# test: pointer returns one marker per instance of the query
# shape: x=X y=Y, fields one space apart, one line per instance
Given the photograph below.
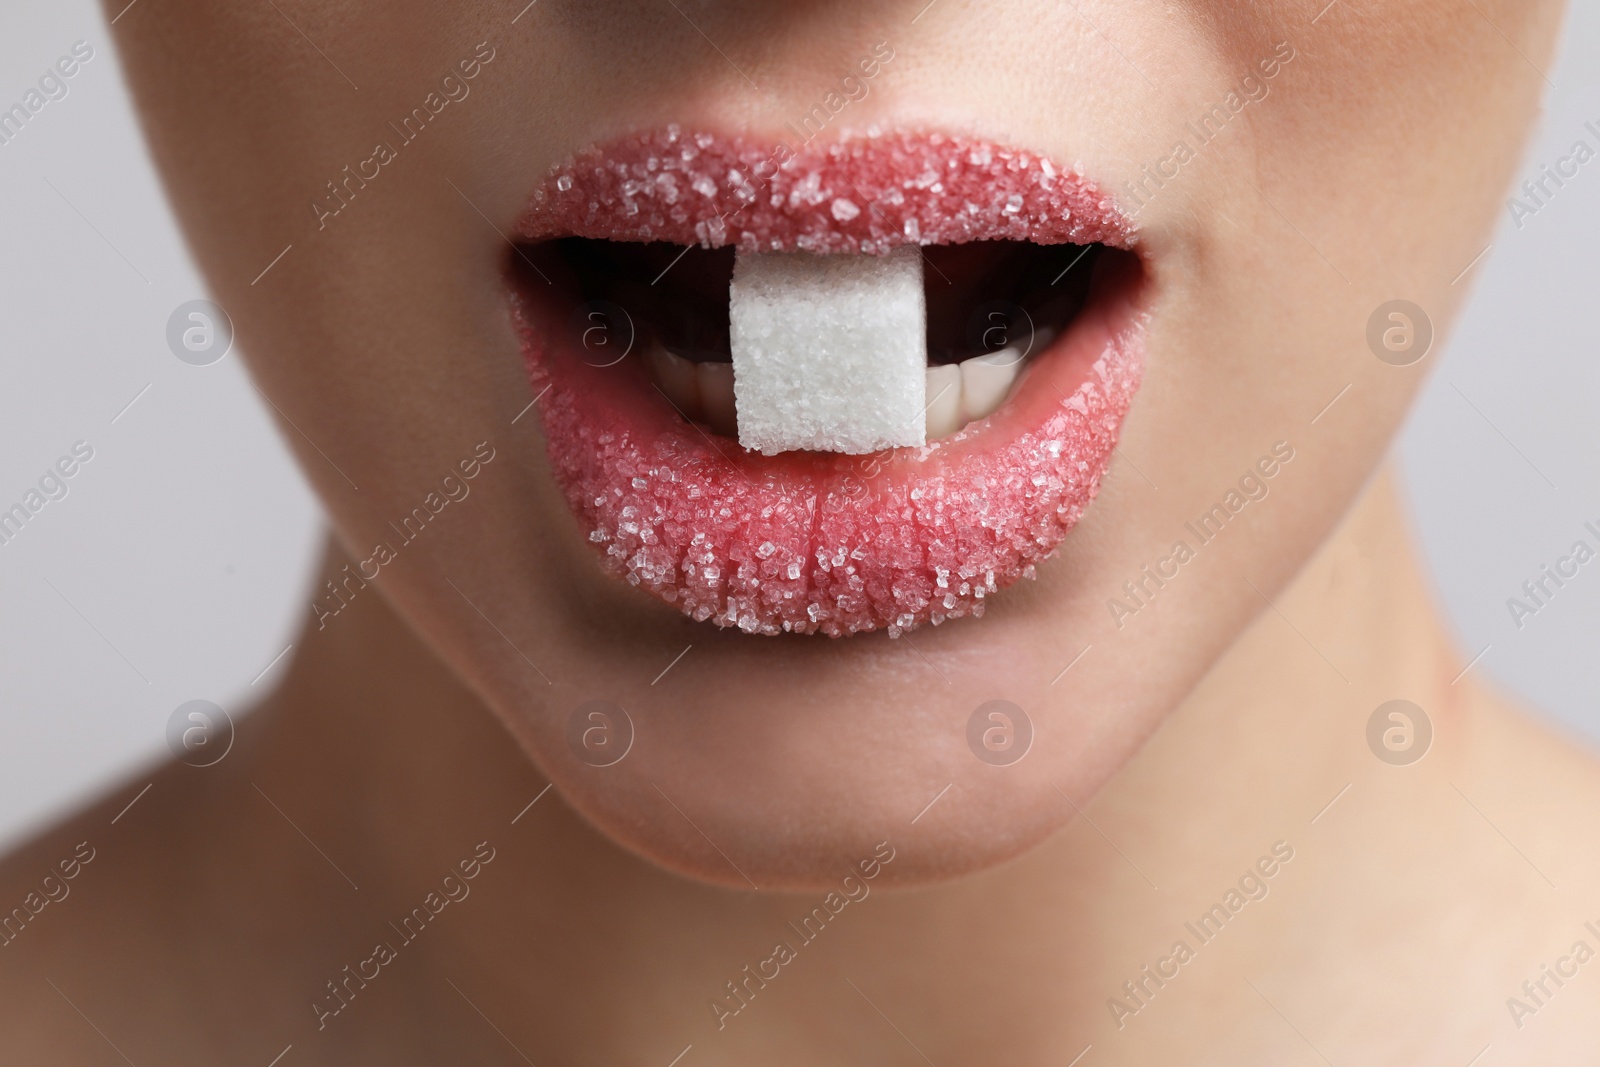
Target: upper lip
x=863 y=193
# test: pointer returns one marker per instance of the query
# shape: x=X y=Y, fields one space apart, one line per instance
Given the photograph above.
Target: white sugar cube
x=829 y=352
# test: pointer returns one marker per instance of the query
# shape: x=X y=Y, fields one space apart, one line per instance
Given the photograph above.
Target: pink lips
x=866 y=194
x=810 y=542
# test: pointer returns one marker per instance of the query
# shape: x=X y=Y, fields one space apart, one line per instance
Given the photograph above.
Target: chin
x=778 y=763
x=800 y=821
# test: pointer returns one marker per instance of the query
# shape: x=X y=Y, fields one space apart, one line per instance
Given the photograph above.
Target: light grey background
x=178 y=567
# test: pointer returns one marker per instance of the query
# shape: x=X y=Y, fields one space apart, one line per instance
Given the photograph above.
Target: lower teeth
x=956 y=393
x=829 y=354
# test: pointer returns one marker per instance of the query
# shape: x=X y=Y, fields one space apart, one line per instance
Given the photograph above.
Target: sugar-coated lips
x=808 y=542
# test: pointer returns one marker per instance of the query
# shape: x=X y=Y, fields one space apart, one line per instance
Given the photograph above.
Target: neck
x=408 y=773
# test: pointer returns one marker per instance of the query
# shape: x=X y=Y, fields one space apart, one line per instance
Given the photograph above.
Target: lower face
x=511 y=253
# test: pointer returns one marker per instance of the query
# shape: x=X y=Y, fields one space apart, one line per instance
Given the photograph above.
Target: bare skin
x=206 y=926
x=1218 y=743
x=388 y=355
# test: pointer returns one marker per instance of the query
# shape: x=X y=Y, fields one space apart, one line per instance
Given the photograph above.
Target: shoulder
x=82 y=908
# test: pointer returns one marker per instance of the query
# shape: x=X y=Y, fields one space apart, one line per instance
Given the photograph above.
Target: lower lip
x=825 y=543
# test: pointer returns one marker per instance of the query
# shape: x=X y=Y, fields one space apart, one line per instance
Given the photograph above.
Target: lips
x=807 y=542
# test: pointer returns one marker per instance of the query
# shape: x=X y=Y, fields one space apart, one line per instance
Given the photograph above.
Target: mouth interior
x=981 y=296
x=1004 y=301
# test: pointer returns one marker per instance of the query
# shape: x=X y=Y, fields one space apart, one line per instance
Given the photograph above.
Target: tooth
x=677 y=378
x=829 y=351
x=715 y=381
x=985 y=381
x=943 y=416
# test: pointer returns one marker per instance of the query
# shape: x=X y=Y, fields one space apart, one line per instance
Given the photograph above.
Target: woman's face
x=376 y=196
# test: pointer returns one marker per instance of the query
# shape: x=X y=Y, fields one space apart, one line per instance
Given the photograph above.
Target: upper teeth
x=829 y=354
x=957 y=393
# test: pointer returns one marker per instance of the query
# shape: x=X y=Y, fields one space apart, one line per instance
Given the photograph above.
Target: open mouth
x=862 y=387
